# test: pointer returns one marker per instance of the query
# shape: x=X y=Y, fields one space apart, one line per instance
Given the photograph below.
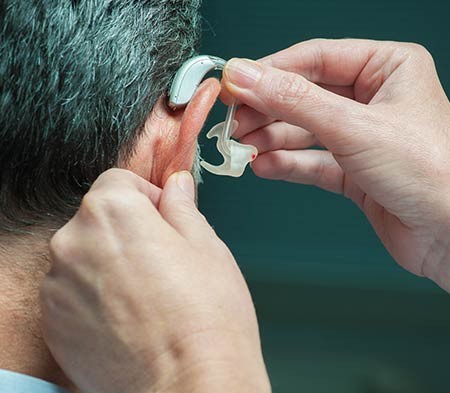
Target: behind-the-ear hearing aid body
x=236 y=155
x=189 y=77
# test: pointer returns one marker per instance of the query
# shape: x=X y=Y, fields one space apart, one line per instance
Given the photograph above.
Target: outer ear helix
x=236 y=155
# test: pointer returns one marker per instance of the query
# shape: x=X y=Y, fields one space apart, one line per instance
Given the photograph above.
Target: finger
x=332 y=62
x=225 y=96
x=313 y=167
x=178 y=208
x=290 y=97
x=344 y=91
x=280 y=136
x=249 y=120
x=121 y=179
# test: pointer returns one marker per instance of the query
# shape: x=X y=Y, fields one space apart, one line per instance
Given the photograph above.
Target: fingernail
x=243 y=73
x=185 y=183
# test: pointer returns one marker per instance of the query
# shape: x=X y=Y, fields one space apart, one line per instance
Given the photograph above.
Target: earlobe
x=168 y=142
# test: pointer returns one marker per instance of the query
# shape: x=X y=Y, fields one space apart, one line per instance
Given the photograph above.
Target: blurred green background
x=336 y=313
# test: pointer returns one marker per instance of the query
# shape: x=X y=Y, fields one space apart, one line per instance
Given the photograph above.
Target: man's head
x=78 y=80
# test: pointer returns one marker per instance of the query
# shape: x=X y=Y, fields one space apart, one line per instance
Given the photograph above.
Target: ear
x=168 y=142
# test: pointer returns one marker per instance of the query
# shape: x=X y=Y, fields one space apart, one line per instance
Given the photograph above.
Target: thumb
x=177 y=206
x=292 y=98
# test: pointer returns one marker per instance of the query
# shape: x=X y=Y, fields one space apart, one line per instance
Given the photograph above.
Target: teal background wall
x=336 y=313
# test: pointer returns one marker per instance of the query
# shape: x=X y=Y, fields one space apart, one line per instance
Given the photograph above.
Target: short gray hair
x=77 y=81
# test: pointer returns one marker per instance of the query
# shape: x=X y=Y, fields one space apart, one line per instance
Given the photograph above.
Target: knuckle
x=290 y=170
x=320 y=172
x=110 y=201
x=108 y=175
x=420 y=52
x=124 y=202
x=114 y=177
x=60 y=245
x=113 y=173
x=418 y=49
x=279 y=168
x=317 y=40
x=89 y=200
x=64 y=249
x=92 y=203
x=314 y=42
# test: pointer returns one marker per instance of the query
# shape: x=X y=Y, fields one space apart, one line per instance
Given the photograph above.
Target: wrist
x=212 y=363
x=217 y=377
x=436 y=265
x=436 y=262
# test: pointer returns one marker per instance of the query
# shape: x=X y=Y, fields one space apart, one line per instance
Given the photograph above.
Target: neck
x=23 y=264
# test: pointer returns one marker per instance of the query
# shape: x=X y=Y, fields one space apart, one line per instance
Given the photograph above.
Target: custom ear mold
x=235 y=155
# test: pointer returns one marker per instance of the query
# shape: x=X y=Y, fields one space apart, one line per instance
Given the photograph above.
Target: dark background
x=336 y=313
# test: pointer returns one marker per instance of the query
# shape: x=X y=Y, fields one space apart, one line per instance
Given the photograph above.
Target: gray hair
x=77 y=81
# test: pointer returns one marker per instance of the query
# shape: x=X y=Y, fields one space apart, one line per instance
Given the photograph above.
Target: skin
x=141 y=280
x=158 y=307
x=169 y=141
x=161 y=301
x=383 y=119
x=167 y=144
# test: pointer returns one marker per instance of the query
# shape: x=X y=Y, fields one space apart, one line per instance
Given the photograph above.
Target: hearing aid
x=235 y=155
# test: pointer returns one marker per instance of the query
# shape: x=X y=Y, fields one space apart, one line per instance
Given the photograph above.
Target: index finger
x=331 y=62
x=336 y=63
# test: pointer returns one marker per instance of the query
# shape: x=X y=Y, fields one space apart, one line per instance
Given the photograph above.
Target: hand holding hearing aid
x=161 y=302
x=382 y=118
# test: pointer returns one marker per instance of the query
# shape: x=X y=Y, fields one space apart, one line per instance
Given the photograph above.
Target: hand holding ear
x=143 y=296
x=383 y=119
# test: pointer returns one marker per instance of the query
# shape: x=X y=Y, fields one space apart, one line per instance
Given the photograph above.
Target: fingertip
x=258 y=167
x=181 y=182
x=265 y=165
x=242 y=73
x=178 y=207
x=225 y=96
